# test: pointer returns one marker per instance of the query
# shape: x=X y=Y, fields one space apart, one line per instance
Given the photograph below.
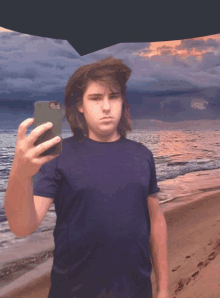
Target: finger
x=22 y=129
x=45 y=159
x=37 y=132
x=45 y=145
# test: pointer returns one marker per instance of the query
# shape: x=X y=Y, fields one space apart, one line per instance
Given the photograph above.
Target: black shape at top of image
x=90 y=27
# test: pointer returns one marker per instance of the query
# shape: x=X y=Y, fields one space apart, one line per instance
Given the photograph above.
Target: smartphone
x=49 y=111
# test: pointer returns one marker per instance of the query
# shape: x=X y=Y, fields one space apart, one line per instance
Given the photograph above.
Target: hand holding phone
x=26 y=161
x=48 y=111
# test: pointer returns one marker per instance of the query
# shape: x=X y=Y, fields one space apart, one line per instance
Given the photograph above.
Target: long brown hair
x=110 y=72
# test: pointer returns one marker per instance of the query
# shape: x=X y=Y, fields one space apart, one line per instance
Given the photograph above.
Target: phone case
x=49 y=111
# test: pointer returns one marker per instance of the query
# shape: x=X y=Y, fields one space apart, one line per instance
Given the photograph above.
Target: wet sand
x=193 y=223
x=194 y=248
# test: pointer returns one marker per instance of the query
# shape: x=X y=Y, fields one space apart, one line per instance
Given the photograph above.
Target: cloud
x=9 y=49
x=199 y=104
x=180 y=125
x=120 y=49
x=21 y=83
x=128 y=52
x=56 y=58
x=155 y=121
x=44 y=64
x=65 y=53
x=36 y=61
x=3 y=58
x=199 y=44
x=162 y=87
x=210 y=61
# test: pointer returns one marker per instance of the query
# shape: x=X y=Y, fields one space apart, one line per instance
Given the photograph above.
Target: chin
x=106 y=133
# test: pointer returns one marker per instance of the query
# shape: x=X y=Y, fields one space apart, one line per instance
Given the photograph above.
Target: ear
x=80 y=107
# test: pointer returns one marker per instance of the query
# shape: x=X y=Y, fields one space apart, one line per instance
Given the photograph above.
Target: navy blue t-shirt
x=102 y=230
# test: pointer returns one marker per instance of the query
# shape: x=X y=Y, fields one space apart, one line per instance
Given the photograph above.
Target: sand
x=193 y=250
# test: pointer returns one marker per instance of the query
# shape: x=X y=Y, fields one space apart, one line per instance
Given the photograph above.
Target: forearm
x=159 y=250
x=19 y=205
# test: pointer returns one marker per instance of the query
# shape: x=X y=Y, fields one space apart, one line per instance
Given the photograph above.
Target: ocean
x=176 y=153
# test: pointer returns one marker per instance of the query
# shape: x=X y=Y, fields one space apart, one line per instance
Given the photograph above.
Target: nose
x=106 y=103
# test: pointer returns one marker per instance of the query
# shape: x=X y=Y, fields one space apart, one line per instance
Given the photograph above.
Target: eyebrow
x=99 y=94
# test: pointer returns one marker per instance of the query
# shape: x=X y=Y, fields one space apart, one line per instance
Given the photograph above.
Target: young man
x=103 y=187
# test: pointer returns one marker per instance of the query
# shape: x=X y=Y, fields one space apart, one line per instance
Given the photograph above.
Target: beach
x=193 y=225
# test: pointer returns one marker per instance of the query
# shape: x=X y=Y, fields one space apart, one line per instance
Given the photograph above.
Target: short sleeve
x=153 y=188
x=47 y=181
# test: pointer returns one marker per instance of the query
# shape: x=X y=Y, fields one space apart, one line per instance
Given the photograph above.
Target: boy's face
x=99 y=102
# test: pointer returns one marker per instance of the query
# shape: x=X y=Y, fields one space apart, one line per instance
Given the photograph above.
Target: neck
x=109 y=138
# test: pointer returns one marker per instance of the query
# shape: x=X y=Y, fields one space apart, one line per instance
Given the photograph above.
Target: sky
x=173 y=84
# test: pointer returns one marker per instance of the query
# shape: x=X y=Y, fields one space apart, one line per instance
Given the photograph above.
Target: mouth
x=106 y=118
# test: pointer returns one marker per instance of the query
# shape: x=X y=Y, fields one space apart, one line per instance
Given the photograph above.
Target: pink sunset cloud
x=179 y=47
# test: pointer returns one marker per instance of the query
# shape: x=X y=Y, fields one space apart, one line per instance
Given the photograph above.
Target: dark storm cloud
x=177 y=61
x=165 y=50
x=212 y=96
x=209 y=62
x=66 y=54
x=175 y=93
x=151 y=108
x=32 y=62
x=165 y=88
x=50 y=65
x=175 y=105
x=120 y=48
x=130 y=48
x=199 y=44
x=58 y=41
x=170 y=107
x=44 y=64
x=28 y=73
x=60 y=67
x=26 y=99
x=4 y=58
x=162 y=84
x=18 y=105
x=9 y=49
x=34 y=38
x=123 y=51
x=5 y=36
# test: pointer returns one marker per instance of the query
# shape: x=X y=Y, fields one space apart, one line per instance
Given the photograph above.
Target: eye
x=115 y=96
x=95 y=98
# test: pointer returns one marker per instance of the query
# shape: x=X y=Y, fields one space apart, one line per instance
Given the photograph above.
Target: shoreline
x=194 y=246
x=186 y=186
x=15 y=269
